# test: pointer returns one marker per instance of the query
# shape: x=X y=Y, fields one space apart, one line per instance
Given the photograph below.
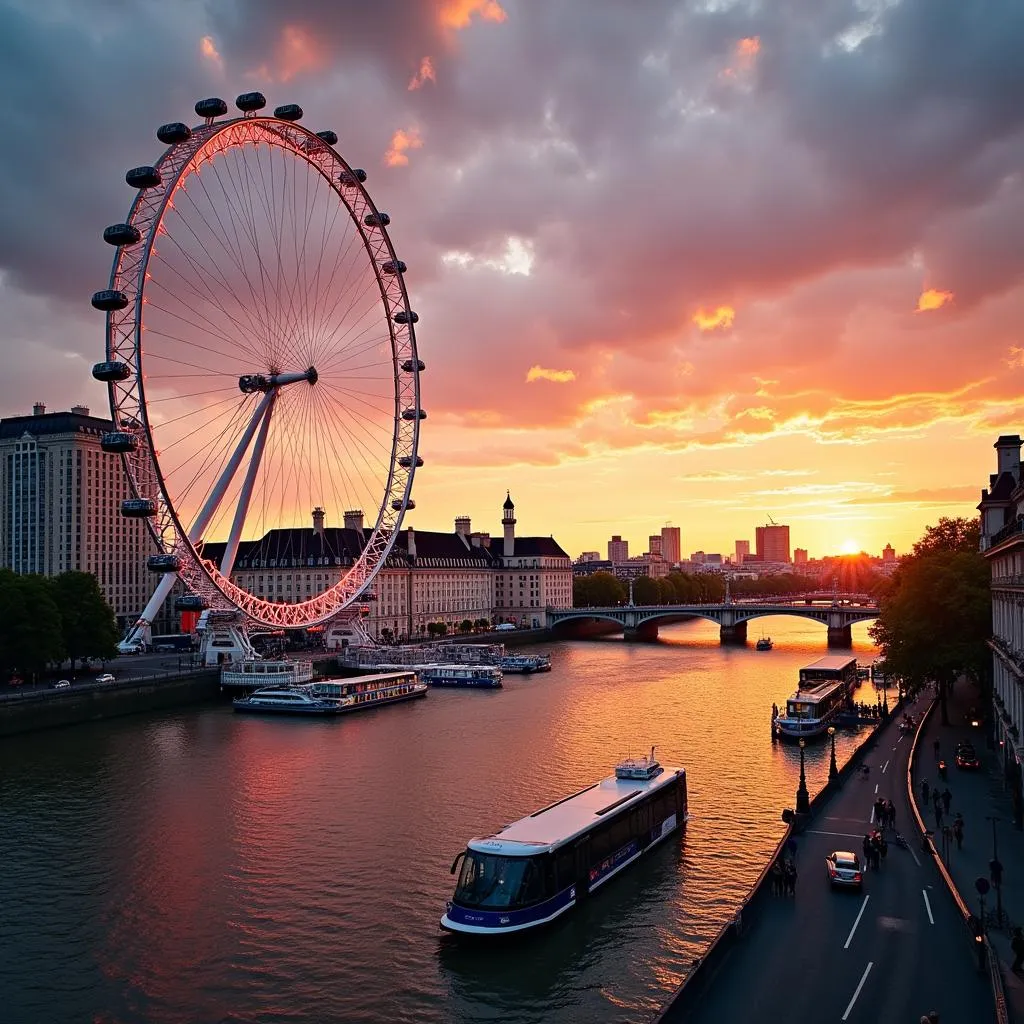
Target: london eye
x=261 y=356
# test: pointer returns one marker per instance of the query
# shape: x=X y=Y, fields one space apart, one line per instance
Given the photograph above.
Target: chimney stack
x=354 y=519
x=39 y=409
x=80 y=410
x=462 y=526
x=318 y=520
x=410 y=544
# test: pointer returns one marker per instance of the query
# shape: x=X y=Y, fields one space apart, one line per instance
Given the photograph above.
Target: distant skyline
x=687 y=263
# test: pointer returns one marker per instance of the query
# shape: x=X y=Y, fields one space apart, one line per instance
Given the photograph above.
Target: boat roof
x=817 y=691
x=378 y=677
x=565 y=819
x=833 y=663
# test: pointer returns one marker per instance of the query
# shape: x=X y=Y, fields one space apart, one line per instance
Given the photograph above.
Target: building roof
x=546 y=547
x=509 y=503
x=52 y=423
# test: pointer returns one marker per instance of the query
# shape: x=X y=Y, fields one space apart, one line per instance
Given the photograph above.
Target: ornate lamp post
x=833 y=768
x=803 y=798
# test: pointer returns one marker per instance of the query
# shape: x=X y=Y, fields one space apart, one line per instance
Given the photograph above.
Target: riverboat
x=287 y=700
x=823 y=692
x=525 y=664
x=476 y=676
x=255 y=673
x=363 y=692
x=537 y=868
x=764 y=644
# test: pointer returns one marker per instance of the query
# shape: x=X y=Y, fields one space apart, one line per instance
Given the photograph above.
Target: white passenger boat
x=525 y=664
x=537 y=868
x=822 y=694
x=288 y=700
x=362 y=692
x=255 y=672
x=486 y=677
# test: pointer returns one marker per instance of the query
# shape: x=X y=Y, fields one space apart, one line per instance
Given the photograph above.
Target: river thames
x=198 y=865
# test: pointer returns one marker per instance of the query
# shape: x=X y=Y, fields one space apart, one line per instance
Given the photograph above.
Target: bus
x=537 y=868
x=172 y=642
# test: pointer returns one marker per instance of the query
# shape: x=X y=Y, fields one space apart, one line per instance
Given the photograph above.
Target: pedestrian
x=883 y=848
x=1017 y=945
x=995 y=872
x=938 y=815
x=947 y=799
x=892 y=814
x=791 y=878
x=867 y=850
x=958 y=830
x=776 y=879
x=925 y=791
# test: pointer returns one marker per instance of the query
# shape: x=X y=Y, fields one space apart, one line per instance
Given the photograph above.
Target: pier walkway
x=886 y=955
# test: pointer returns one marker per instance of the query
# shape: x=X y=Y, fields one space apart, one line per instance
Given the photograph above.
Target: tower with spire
x=508 y=521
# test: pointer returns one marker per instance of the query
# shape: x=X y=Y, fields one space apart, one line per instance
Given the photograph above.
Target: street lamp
x=996 y=870
x=833 y=768
x=803 y=799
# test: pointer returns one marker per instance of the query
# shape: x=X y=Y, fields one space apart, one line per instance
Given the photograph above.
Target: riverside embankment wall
x=750 y=908
x=48 y=709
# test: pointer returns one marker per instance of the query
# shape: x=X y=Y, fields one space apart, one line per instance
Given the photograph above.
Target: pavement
x=886 y=955
x=980 y=795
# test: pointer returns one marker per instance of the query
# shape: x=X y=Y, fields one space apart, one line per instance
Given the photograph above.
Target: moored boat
x=475 y=676
x=823 y=692
x=362 y=692
x=525 y=664
x=287 y=700
x=764 y=644
x=537 y=868
x=257 y=672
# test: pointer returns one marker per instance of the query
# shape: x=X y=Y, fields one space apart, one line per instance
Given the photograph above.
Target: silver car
x=844 y=869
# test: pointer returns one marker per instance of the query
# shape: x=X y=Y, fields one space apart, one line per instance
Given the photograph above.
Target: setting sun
x=849 y=547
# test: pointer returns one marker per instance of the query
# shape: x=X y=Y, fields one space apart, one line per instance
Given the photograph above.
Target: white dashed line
x=849 y=938
x=927 y=906
x=876 y=789
x=864 y=977
x=886 y=765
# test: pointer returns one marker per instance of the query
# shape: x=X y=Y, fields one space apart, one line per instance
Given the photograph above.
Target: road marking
x=871 y=820
x=886 y=765
x=864 y=977
x=849 y=939
x=841 y=835
x=876 y=789
x=914 y=855
x=927 y=906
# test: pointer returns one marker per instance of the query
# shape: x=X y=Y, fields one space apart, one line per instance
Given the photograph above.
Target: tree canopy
x=88 y=626
x=936 y=616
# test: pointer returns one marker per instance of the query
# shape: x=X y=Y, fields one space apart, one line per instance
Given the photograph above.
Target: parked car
x=107 y=677
x=843 y=868
x=63 y=684
x=966 y=757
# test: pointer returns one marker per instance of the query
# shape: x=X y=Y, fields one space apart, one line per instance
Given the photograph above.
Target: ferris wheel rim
x=129 y=407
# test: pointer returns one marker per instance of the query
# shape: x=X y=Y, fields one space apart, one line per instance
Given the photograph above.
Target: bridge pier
x=840 y=636
x=736 y=634
x=645 y=631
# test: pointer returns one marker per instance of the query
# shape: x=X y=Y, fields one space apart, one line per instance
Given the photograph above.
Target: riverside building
x=60 y=501
x=429 y=577
x=1002 y=544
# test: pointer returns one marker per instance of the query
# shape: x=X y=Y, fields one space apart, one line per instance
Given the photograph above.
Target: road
x=886 y=955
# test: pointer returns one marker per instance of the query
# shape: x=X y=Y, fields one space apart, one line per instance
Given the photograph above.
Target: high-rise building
x=671 y=545
x=888 y=554
x=742 y=550
x=654 y=548
x=60 y=506
x=590 y=556
x=772 y=543
x=800 y=556
x=618 y=549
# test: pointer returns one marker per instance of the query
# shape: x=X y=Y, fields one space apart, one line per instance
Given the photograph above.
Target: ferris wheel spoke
x=340 y=287
x=211 y=329
x=341 y=463
x=363 y=294
x=354 y=429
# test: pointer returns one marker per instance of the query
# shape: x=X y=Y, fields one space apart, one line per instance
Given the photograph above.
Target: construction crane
x=772 y=521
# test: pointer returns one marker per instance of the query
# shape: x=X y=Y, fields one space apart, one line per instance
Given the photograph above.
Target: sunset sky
x=687 y=263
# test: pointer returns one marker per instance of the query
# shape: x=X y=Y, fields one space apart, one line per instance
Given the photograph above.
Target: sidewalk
x=978 y=795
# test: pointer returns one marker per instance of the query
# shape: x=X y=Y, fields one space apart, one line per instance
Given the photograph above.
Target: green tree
x=646 y=591
x=466 y=626
x=89 y=627
x=936 y=616
x=598 y=590
x=30 y=625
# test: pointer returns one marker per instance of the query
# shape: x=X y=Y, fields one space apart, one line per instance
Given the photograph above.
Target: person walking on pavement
x=867 y=850
x=958 y=830
x=891 y=808
x=938 y=814
x=947 y=799
x=925 y=791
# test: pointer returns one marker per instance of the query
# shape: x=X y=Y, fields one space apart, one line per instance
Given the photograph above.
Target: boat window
x=491 y=881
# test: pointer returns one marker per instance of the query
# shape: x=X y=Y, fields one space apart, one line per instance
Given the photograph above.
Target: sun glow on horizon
x=849 y=547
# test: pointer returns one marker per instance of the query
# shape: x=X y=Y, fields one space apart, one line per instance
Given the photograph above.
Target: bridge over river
x=838 y=612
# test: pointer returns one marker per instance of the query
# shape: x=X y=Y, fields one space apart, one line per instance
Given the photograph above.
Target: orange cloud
x=401 y=142
x=458 y=13
x=556 y=376
x=208 y=48
x=748 y=48
x=721 y=317
x=297 y=51
x=425 y=74
x=932 y=298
